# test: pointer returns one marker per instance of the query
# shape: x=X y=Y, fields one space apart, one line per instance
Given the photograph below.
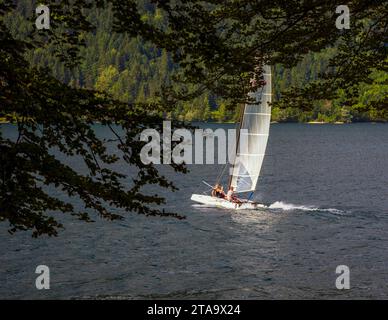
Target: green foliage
x=49 y=114
x=134 y=70
x=126 y=63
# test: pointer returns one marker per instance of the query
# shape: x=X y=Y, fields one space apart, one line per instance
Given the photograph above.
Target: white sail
x=253 y=137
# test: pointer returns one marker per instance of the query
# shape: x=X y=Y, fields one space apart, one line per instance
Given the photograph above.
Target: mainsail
x=254 y=130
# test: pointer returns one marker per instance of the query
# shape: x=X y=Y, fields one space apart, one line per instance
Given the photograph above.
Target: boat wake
x=279 y=205
x=196 y=205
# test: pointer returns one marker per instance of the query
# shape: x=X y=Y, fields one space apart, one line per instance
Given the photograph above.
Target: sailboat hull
x=225 y=204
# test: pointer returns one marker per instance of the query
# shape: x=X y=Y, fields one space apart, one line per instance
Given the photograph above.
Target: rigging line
x=239 y=133
x=238 y=128
x=219 y=177
x=200 y=190
x=206 y=191
x=241 y=119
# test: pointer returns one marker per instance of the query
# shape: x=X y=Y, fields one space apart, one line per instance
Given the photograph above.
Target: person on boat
x=221 y=192
x=231 y=197
x=218 y=191
x=214 y=190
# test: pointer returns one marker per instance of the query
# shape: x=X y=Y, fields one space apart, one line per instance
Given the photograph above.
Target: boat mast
x=241 y=117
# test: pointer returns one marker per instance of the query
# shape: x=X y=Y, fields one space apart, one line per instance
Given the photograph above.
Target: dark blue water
x=327 y=191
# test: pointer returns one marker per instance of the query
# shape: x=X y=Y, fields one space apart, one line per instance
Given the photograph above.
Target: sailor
x=229 y=195
x=214 y=190
x=221 y=193
x=218 y=191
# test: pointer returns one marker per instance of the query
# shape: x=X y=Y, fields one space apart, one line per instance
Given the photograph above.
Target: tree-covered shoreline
x=133 y=71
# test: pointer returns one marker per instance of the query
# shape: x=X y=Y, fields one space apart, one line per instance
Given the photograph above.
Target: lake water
x=326 y=187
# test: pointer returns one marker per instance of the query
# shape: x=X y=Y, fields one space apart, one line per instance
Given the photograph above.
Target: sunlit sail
x=255 y=124
x=251 y=147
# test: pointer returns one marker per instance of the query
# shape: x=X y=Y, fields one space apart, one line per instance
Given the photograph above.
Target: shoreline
x=272 y=122
x=309 y=122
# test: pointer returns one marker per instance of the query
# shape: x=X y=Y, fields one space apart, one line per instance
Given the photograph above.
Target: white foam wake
x=204 y=206
x=289 y=206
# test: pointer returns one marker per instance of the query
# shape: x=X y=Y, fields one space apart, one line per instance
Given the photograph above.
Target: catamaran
x=254 y=122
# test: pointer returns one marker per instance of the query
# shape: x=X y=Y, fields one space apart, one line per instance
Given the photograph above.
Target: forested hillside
x=134 y=71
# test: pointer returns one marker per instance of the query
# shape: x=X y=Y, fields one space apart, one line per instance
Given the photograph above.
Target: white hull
x=222 y=203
